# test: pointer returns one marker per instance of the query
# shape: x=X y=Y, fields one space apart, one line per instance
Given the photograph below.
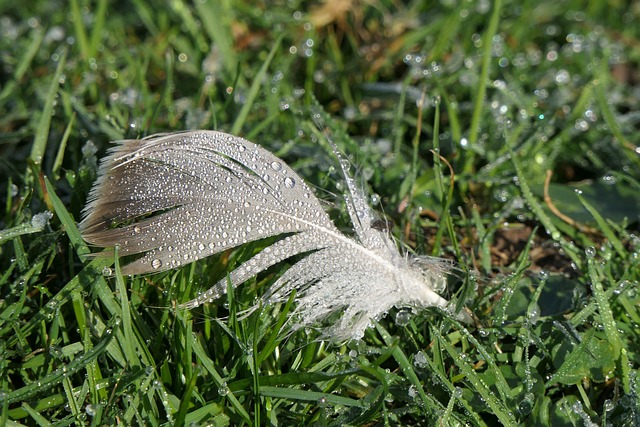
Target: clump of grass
x=502 y=92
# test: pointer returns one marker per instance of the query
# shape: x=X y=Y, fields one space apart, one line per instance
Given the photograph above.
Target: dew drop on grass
x=420 y=360
x=543 y=275
x=223 y=390
x=590 y=252
x=403 y=318
x=90 y=410
x=608 y=405
x=40 y=220
x=107 y=271
x=457 y=392
x=55 y=351
x=156 y=263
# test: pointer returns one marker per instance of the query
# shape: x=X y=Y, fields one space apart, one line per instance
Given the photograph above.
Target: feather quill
x=176 y=198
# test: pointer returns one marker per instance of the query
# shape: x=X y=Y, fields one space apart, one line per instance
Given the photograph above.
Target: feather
x=175 y=198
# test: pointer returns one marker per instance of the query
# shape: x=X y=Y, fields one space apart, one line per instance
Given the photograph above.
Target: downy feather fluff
x=175 y=198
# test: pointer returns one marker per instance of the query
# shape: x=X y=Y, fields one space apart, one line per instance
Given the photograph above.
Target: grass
x=510 y=91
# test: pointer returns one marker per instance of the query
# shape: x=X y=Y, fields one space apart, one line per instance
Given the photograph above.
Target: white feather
x=176 y=198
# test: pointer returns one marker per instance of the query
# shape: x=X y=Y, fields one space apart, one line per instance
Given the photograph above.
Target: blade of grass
x=24 y=65
x=56 y=376
x=407 y=368
x=84 y=278
x=536 y=207
x=444 y=380
x=57 y=163
x=125 y=313
x=447 y=195
x=69 y=225
x=42 y=130
x=216 y=18
x=479 y=101
x=97 y=28
x=209 y=365
x=608 y=321
x=309 y=396
x=497 y=407
x=80 y=31
x=30 y=227
x=604 y=228
x=255 y=88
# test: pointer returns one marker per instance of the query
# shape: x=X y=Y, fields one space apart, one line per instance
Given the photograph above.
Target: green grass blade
x=483 y=81
x=209 y=365
x=56 y=377
x=25 y=62
x=255 y=88
x=606 y=314
x=497 y=407
x=604 y=228
x=42 y=131
x=69 y=225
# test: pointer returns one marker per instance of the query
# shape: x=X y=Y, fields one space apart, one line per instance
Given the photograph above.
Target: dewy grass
x=533 y=86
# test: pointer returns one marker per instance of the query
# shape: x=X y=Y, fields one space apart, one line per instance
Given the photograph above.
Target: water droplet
x=457 y=392
x=136 y=229
x=90 y=410
x=608 y=405
x=156 y=263
x=55 y=351
x=543 y=274
x=420 y=360
x=107 y=271
x=403 y=318
x=223 y=390
x=590 y=252
x=289 y=182
x=276 y=166
x=609 y=179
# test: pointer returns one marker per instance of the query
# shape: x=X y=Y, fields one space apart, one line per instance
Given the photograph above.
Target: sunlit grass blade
x=217 y=18
x=497 y=407
x=608 y=321
x=483 y=81
x=308 y=396
x=30 y=227
x=70 y=227
x=209 y=365
x=254 y=89
x=406 y=367
x=42 y=130
x=604 y=228
x=57 y=376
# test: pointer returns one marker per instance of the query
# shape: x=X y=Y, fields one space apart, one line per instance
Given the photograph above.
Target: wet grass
x=455 y=114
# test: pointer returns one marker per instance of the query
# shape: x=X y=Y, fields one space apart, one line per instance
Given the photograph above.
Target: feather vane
x=175 y=198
